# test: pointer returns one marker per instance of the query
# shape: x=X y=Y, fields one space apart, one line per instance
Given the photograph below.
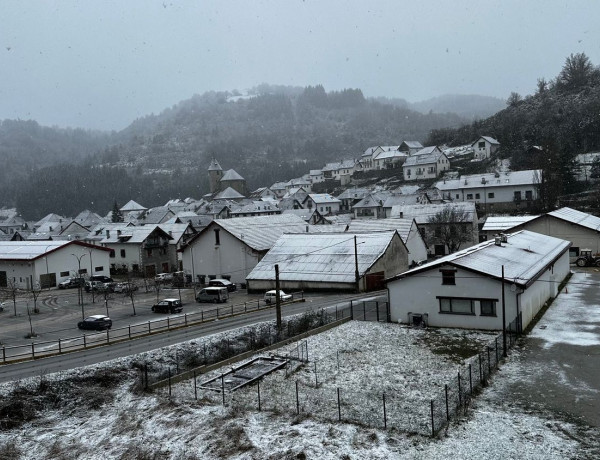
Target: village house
x=44 y=264
x=584 y=164
x=494 y=192
x=330 y=262
x=389 y=159
x=350 y=197
x=484 y=147
x=322 y=202
x=410 y=147
x=466 y=289
x=233 y=247
x=316 y=176
x=341 y=171
x=256 y=208
x=465 y=224
x=371 y=206
x=427 y=163
x=494 y=225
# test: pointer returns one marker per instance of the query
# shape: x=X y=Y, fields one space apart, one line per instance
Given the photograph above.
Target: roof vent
x=498 y=240
x=466 y=182
x=504 y=237
x=483 y=181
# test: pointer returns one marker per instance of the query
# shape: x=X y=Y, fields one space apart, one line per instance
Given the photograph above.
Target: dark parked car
x=168 y=306
x=95 y=322
x=219 y=282
x=71 y=283
x=101 y=278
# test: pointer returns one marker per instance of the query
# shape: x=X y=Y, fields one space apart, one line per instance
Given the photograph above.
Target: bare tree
x=10 y=292
x=452 y=227
x=34 y=293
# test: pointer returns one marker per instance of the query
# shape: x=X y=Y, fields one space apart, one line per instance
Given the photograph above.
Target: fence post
x=107 y=337
x=59 y=346
x=496 y=351
x=32 y=350
x=447 y=411
x=223 y=388
x=258 y=388
x=337 y=354
x=336 y=312
x=232 y=309
x=471 y=379
x=351 y=310
x=339 y=406
x=459 y=391
x=316 y=378
x=489 y=361
x=195 y=387
x=185 y=319
x=3 y=353
x=149 y=327
x=202 y=316
x=297 y=400
x=168 y=323
x=84 y=341
x=169 y=382
x=129 y=332
x=432 y=421
x=377 y=309
x=364 y=311
x=244 y=307
x=384 y=414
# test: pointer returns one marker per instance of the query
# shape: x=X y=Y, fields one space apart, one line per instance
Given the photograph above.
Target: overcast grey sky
x=101 y=64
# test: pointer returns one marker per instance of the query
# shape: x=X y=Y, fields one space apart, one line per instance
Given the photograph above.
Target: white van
x=213 y=294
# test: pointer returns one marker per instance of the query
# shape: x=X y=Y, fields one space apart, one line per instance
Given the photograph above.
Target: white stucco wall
x=416 y=246
x=579 y=236
x=230 y=257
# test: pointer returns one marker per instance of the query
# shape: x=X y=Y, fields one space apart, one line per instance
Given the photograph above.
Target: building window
x=448 y=277
x=149 y=252
x=574 y=251
x=122 y=252
x=491 y=195
x=481 y=145
x=99 y=269
x=488 y=307
x=135 y=267
x=528 y=195
x=518 y=196
x=477 y=196
x=457 y=196
x=456 y=306
x=469 y=196
x=82 y=271
x=112 y=253
x=64 y=273
x=217 y=237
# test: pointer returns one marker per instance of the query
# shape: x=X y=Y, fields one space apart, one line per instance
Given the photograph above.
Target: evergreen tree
x=117 y=215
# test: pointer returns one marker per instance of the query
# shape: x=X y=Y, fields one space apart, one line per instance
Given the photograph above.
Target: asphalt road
x=72 y=360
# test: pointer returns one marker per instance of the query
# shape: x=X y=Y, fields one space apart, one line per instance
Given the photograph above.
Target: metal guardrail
x=36 y=350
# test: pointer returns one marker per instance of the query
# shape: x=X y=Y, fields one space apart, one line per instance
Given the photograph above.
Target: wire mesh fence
x=322 y=389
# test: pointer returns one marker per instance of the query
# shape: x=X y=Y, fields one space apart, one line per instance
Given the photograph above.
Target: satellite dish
x=513 y=287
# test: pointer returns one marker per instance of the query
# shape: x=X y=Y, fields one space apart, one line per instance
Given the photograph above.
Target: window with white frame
x=456 y=306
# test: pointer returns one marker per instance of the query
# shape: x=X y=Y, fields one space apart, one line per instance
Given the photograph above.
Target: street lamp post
x=80 y=294
x=46 y=259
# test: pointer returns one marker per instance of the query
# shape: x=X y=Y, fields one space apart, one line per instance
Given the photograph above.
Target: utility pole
x=503 y=318
x=277 y=299
x=356 y=275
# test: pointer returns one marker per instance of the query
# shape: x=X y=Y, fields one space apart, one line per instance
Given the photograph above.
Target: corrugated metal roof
x=489 y=180
x=260 y=233
x=29 y=250
x=422 y=212
x=577 y=217
x=323 y=257
x=402 y=226
x=422 y=158
x=524 y=256
x=502 y=223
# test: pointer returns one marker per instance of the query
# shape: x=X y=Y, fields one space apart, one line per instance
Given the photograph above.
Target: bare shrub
x=10 y=451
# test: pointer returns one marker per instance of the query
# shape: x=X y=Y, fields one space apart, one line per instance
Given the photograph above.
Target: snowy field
x=96 y=412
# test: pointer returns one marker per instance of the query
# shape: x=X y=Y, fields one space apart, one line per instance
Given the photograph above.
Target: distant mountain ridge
x=469 y=106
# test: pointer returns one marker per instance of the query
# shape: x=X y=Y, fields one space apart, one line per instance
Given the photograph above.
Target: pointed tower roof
x=231 y=175
x=215 y=166
x=228 y=194
x=132 y=206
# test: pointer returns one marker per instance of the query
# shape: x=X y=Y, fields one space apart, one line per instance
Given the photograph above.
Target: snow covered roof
x=132 y=206
x=407 y=189
x=315 y=172
x=422 y=212
x=256 y=207
x=344 y=164
x=391 y=154
x=427 y=150
x=577 y=217
x=305 y=214
x=176 y=231
x=230 y=174
x=400 y=200
x=88 y=218
x=133 y=235
x=525 y=256
x=402 y=226
x=353 y=193
x=261 y=232
x=31 y=250
x=504 y=223
x=228 y=194
x=323 y=198
x=156 y=215
x=323 y=257
x=214 y=166
x=372 y=200
x=489 y=139
x=369 y=151
x=412 y=144
x=51 y=218
x=423 y=158
x=505 y=179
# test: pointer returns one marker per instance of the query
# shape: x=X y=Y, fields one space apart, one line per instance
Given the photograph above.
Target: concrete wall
x=579 y=236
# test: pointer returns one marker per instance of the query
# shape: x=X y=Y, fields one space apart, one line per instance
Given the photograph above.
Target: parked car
x=94 y=285
x=101 y=278
x=95 y=322
x=163 y=277
x=71 y=283
x=124 y=288
x=220 y=282
x=168 y=306
x=271 y=296
x=213 y=294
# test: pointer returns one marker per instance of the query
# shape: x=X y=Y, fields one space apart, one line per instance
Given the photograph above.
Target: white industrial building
x=44 y=264
x=330 y=262
x=464 y=289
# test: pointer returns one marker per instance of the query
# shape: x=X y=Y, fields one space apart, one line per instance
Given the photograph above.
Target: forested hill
x=270 y=134
x=563 y=114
